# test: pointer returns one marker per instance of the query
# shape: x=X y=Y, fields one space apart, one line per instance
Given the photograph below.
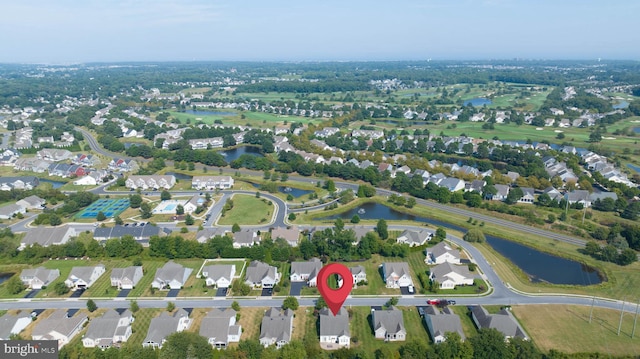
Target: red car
x=433 y=301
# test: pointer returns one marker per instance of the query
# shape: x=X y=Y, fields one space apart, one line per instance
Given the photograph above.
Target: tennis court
x=110 y=208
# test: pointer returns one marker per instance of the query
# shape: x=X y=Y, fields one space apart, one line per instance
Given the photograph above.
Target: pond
x=5 y=276
x=234 y=153
x=55 y=184
x=210 y=113
x=634 y=167
x=295 y=192
x=537 y=265
x=636 y=129
x=478 y=101
x=180 y=176
x=620 y=105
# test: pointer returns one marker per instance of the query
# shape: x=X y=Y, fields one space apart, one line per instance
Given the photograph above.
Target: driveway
x=221 y=292
x=32 y=293
x=173 y=293
x=77 y=293
x=405 y=291
x=71 y=312
x=123 y=293
x=296 y=288
x=267 y=292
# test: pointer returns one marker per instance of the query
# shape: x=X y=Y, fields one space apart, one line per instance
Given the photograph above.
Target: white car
x=410 y=289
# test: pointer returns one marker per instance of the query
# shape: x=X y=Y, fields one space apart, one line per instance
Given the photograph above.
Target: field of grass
x=140 y=326
x=248 y=210
x=559 y=326
x=362 y=332
x=144 y=285
x=250 y=320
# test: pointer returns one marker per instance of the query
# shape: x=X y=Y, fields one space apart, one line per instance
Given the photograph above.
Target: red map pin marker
x=335 y=297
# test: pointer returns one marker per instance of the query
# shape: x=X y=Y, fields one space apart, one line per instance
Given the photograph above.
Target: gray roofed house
x=137 y=231
x=211 y=182
x=172 y=275
x=24 y=182
x=10 y=210
x=396 y=274
x=150 y=181
x=602 y=195
x=475 y=185
x=126 y=278
x=442 y=252
x=84 y=277
x=276 y=328
x=388 y=324
x=553 y=193
x=31 y=202
x=358 y=273
x=527 y=195
x=580 y=196
x=38 y=277
x=359 y=232
x=452 y=184
x=59 y=326
x=220 y=329
x=164 y=325
x=289 y=234
x=111 y=329
x=442 y=321
x=260 y=274
x=46 y=236
x=414 y=238
x=208 y=233
x=450 y=275
x=503 y=321
x=245 y=238
x=334 y=330
x=306 y=271
x=219 y=275
x=13 y=324
x=502 y=192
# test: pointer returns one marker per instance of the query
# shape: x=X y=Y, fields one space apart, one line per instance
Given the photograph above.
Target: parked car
x=433 y=301
x=451 y=302
x=410 y=289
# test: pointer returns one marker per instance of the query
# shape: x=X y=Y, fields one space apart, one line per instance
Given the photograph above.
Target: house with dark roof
x=245 y=238
x=388 y=324
x=276 y=327
x=306 y=271
x=164 y=325
x=111 y=329
x=527 y=195
x=503 y=321
x=24 y=182
x=139 y=232
x=220 y=328
x=334 y=329
x=442 y=321
x=207 y=233
x=171 y=276
x=441 y=253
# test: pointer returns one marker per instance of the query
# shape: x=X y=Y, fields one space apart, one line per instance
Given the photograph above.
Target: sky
x=77 y=31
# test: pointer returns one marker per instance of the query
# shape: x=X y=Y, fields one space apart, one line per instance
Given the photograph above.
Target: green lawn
x=363 y=335
x=149 y=267
x=248 y=210
x=141 y=325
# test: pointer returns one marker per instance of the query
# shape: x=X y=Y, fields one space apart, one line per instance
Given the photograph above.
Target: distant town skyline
x=66 y=31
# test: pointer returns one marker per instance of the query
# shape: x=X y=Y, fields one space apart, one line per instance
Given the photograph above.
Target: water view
x=634 y=167
x=476 y=102
x=180 y=176
x=234 y=153
x=620 y=105
x=537 y=265
x=210 y=113
x=636 y=129
x=4 y=277
x=55 y=184
x=295 y=192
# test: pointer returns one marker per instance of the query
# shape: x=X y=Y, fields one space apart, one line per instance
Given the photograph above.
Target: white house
x=276 y=327
x=334 y=329
x=164 y=325
x=59 y=326
x=154 y=182
x=126 y=278
x=388 y=324
x=306 y=271
x=441 y=253
x=219 y=275
x=449 y=275
x=13 y=324
x=112 y=329
x=84 y=277
x=359 y=274
x=260 y=274
x=415 y=238
x=245 y=238
x=211 y=182
x=172 y=276
x=38 y=277
x=396 y=274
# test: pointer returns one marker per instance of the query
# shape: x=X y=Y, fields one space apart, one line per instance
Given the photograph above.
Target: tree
x=514 y=195
x=188 y=220
x=100 y=216
x=474 y=235
x=330 y=186
x=393 y=301
x=441 y=234
x=292 y=216
x=91 y=306
x=55 y=220
x=382 y=229
x=179 y=210
x=186 y=345
x=355 y=219
x=14 y=285
x=134 y=307
x=165 y=195
x=290 y=303
x=235 y=228
x=119 y=221
x=171 y=306
x=235 y=306
x=489 y=344
x=135 y=200
x=411 y=202
x=60 y=288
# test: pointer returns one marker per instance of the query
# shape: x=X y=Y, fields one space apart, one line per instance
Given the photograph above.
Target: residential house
x=442 y=321
x=578 y=196
x=396 y=274
x=450 y=275
x=359 y=232
x=12 y=324
x=208 y=233
x=205 y=143
x=9 y=157
x=24 y=183
x=503 y=321
x=414 y=238
x=32 y=202
x=85 y=160
x=211 y=182
x=372 y=134
x=193 y=203
x=154 y=182
x=46 y=236
x=502 y=191
x=359 y=274
x=289 y=234
x=260 y=274
x=245 y=238
x=220 y=328
x=442 y=252
x=54 y=155
x=219 y=275
x=334 y=329
x=164 y=325
x=276 y=328
x=326 y=132
x=126 y=278
x=110 y=330
x=31 y=164
x=306 y=271
x=11 y=210
x=59 y=326
x=123 y=165
x=84 y=277
x=527 y=195
x=139 y=231
x=553 y=193
x=65 y=170
x=388 y=324
x=171 y=276
x=475 y=186
x=37 y=278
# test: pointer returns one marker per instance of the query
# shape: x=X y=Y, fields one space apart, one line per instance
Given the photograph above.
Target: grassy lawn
x=362 y=332
x=560 y=326
x=250 y=320
x=376 y=284
x=468 y=327
x=248 y=210
x=141 y=325
x=144 y=285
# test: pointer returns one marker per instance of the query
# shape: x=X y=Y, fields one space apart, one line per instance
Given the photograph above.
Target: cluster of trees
x=72 y=204
x=611 y=253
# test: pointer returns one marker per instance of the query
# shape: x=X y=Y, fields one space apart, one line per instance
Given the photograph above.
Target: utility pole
x=592 y=303
x=635 y=319
x=621 y=314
